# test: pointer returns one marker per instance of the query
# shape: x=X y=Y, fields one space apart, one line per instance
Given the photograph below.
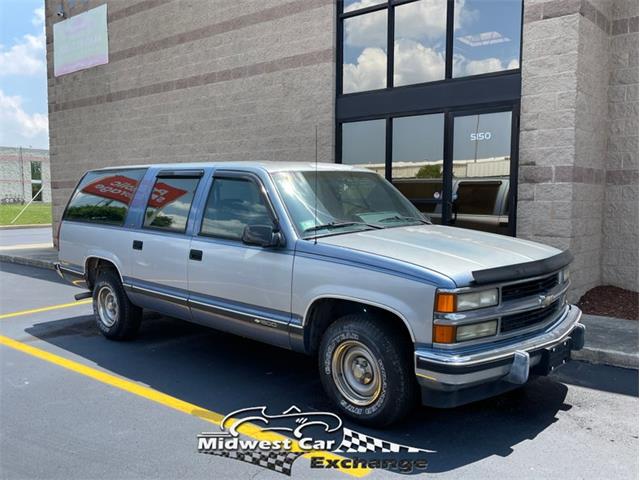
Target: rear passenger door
x=160 y=248
x=243 y=289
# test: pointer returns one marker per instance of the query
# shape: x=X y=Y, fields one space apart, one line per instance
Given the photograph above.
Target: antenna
x=315 y=207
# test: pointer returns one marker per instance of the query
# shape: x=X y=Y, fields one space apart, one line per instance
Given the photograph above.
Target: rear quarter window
x=104 y=197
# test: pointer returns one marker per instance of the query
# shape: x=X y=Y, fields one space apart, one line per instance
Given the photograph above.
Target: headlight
x=476 y=330
x=564 y=275
x=458 y=302
x=461 y=333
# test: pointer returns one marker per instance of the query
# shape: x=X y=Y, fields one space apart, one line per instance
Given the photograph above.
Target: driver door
x=239 y=288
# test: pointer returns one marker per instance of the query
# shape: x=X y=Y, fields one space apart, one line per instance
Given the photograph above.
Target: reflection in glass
x=417 y=160
x=486 y=36
x=233 y=204
x=420 y=41
x=481 y=167
x=351 y=5
x=104 y=197
x=363 y=143
x=169 y=204
x=365 y=52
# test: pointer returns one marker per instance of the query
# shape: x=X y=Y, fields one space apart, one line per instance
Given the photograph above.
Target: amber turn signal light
x=445 y=302
x=444 y=333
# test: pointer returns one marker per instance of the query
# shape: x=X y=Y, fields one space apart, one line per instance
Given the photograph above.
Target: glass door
x=480 y=177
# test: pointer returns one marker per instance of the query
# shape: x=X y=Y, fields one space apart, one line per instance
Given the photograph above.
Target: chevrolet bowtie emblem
x=546 y=300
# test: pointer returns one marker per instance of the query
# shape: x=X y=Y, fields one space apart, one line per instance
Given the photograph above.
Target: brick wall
x=620 y=228
x=196 y=81
x=15 y=174
x=569 y=137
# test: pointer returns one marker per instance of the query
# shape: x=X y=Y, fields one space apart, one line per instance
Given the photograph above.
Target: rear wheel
x=366 y=369
x=116 y=317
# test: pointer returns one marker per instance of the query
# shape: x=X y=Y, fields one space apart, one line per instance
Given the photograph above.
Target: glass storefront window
x=420 y=42
x=364 y=52
x=363 y=143
x=481 y=168
x=486 y=36
x=417 y=160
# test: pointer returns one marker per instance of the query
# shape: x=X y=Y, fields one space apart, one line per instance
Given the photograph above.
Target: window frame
x=390 y=5
x=110 y=170
x=238 y=175
x=178 y=173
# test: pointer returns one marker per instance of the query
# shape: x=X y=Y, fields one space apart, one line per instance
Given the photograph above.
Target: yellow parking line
x=45 y=309
x=249 y=430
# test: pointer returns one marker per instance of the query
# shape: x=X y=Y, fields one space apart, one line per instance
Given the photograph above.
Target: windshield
x=346 y=201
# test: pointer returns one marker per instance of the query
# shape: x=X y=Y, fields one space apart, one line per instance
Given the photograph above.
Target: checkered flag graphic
x=356 y=442
x=279 y=461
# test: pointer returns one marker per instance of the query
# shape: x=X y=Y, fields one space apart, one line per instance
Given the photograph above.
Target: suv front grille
x=530 y=288
x=528 y=319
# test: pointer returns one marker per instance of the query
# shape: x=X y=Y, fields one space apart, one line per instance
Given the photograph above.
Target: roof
x=266 y=166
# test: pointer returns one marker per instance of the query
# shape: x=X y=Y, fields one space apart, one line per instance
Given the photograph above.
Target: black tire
x=396 y=393
x=126 y=322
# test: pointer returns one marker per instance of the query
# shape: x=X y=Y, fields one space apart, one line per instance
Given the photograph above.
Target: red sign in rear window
x=122 y=189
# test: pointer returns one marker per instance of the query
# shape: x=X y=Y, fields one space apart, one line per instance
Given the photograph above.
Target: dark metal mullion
x=363 y=11
x=448 y=65
x=388 y=151
x=513 y=172
x=447 y=168
x=390 y=45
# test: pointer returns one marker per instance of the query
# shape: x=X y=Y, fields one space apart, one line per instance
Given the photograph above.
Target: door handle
x=137 y=244
x=195 y=255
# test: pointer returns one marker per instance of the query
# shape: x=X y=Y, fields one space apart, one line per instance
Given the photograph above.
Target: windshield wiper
x=332 y=225
x=401 y=218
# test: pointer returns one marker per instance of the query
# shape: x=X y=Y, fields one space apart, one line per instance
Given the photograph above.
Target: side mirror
x=262 y=236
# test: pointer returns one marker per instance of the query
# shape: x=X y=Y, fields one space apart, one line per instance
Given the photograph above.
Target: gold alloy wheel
x=356 y=373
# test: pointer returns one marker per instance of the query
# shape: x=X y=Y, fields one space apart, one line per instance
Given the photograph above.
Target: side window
x=104 y=197
x=169 y=203
x=233 y=204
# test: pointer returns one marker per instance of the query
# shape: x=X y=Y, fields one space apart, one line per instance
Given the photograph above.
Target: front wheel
x=116 y=317
x=366 y=369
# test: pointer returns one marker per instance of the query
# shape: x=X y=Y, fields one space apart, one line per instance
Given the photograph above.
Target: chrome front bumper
x=497 y=366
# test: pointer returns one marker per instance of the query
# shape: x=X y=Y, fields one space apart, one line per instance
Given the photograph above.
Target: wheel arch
x=93 y=264
x=324 y=310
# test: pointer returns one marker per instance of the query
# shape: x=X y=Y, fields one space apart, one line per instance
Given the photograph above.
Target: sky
x=23 y=75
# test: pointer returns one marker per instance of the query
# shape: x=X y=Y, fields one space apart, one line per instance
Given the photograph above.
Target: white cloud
x=27 y=55
x=463 y=66
x=369 y=73
x=369 y=30
x=38 y=17
x=18 y=127
x=415 y=63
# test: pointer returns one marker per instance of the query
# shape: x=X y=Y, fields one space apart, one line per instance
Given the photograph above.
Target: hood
x=453 y=252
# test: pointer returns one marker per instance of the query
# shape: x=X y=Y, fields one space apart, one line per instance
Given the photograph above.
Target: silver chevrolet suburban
x=326 y=260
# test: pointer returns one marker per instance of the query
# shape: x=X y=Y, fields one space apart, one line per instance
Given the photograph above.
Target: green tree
x=429 y=171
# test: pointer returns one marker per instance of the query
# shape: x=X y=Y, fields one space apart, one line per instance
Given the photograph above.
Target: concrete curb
x=606 y=357
x=17 y=227
x=31 y=262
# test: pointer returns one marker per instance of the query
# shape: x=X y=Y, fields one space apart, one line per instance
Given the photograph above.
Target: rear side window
x=104 y=197
x=233 y=204
x=170 y=202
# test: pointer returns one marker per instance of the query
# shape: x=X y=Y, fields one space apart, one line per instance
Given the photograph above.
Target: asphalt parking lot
x=75 y=405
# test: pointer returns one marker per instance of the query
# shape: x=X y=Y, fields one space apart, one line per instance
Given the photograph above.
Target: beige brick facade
x=578 y=137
